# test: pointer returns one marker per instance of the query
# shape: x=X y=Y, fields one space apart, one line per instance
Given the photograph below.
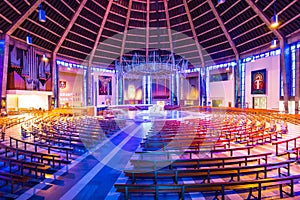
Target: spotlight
x=221 y=1
x=45 y=59
x=274 y=21
x=42 y=14
x=274 y=43
x=28 y=39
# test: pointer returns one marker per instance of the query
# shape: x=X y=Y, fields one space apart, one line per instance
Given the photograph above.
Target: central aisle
x=92 y=175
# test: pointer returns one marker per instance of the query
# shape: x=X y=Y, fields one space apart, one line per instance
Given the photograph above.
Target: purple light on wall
x=2 y=46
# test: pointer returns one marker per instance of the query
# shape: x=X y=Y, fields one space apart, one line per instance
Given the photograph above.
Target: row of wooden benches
x=208 y=173
x=154 y=164
x=218 y=188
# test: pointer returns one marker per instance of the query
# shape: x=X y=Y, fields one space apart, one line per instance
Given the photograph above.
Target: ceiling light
x=42 y=14
x=274 y=43
x=221 y=1
x=28 y=39
x=274 y=21
x=45 y=59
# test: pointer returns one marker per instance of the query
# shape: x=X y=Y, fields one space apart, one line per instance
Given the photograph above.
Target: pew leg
x=12 y=187
x=223 y=194
x=126 y=193
x=292 y=188
x=156 y=193
x=216 y=195
x=259 y=192
x=250 y=194
x=182 y=193
x=257 y=175
x=280 y=191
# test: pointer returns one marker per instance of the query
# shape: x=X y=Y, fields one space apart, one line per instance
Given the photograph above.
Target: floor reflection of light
x=131 y=114
x=48 y=176
x=146 y=117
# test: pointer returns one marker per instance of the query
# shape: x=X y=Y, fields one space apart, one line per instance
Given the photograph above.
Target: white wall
x=14 y=102
x=272 y=65
x=291 y=106
x=222 y=90
x=72 y=94
x=33 y=101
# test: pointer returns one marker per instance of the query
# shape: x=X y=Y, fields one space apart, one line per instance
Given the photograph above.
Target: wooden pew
x=31 y=166
x=201 y=162
x=196 y=152
x=295 y=151
x=286 y=142
x=262 y=138
x=189 y=144
x=231 y=150
x=209 y=173
x=54 y=158
x=13 y=179
x=222 y=187
x=67 y=150
x=60 y=140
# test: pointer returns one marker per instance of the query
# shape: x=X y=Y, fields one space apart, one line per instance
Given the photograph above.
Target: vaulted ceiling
x=79 y=28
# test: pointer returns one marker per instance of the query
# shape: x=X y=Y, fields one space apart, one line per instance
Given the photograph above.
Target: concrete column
x=237 y=83
x=284 y=65
x=297 y=92
x=55 y=79
x=5 y=66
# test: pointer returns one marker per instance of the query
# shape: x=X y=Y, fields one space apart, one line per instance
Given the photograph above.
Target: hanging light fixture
x=29 y=39
x=45 y=59
x=274 y=19
x=221 y=1
x=274 y=43
x=42 y=14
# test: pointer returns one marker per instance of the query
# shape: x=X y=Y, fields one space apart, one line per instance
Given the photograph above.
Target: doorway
x=260 y=102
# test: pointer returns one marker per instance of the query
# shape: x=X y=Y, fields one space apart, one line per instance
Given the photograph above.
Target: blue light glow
x=77 y=66
x=262 y=55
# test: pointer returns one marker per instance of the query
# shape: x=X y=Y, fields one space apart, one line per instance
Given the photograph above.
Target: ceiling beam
x=70 y=25
x=13 y=7
x=201 y=15
x=168 y=25
x=249 y=30
x=286 y=7
x=26 y=1
x=290 y=20
x=264 y=19
x=221 y=23
x=242 y=23
x=232 y=5
x=147 y=29
x=6 y=19
x=67 y=5
x=196 y=7
x=100 y=32
x=56 y=10
x=36 y=35
x=194 y=33
x=23 y=17
x=125 y=30
x=43 y=27
x=237 y=14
